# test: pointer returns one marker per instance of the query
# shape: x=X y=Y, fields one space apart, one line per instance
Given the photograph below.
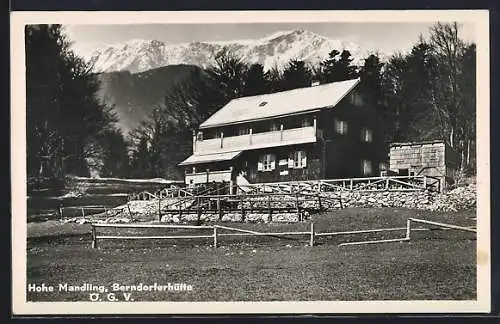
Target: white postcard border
x=480 y=18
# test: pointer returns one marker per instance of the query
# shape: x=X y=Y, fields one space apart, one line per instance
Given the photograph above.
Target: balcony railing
x=208 y=176
x=257 y=140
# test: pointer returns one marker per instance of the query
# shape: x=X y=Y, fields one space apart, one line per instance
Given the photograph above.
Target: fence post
x=408 y=229
x=387 y=184
x=219 y=207
x=215 y=236
x=270 y=217
x=425 y=182
x=129 y=211
x=319 y=202
x=83 y=213
x=61 y=212
x=94 y=237
x=199 y=209
x=311 y=243
x=297 y=206
x=350 y=184
x=159 y=208
x=242 y=209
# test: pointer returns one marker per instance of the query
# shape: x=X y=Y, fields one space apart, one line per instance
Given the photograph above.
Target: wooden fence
x=174 y=192
x=387 y=183
x=408 y=231
x=262 y=203
x=84 y=211
x=215 y=232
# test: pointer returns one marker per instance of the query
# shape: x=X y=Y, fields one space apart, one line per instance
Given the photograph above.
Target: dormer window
x=263 y=103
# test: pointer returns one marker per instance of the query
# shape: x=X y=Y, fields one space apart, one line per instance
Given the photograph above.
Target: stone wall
x=397 y=199
x=457 y=199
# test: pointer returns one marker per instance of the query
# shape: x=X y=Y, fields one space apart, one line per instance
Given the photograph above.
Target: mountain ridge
x=276 y=49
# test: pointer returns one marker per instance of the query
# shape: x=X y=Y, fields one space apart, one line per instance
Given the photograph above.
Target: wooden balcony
x=258 y=140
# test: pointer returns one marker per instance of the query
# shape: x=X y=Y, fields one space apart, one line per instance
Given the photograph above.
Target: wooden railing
x=389 y=183
x=214 y=232
x=267 y=203
x=256 y=141
x=208 y=176
x=173 y=192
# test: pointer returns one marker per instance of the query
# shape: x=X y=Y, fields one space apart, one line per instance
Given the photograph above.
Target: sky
x=384 y=37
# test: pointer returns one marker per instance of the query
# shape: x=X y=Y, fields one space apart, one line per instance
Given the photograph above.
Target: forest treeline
x=428 y=93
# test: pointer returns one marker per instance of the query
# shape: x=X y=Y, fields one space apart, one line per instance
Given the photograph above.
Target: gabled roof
x=280 y=103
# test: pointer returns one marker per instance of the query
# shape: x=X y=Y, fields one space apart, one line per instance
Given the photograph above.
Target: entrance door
x=403 y=172
x=252 y=173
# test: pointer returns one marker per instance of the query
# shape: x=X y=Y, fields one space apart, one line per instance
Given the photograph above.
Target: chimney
x=314 y=83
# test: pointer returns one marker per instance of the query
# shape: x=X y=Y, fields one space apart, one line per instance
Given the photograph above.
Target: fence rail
x=85 y=211
x=172 y=192
x=409 y=230
x=264 y=203
x=214 y=236
x=215 y=232
x=388 y=183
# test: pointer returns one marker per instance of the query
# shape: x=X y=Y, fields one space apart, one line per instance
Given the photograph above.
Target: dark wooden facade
x=349 y=143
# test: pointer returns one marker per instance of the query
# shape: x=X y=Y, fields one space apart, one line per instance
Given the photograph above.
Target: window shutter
x=273 y=162
x=290 y=160
x=260 y=166
x=304 y=159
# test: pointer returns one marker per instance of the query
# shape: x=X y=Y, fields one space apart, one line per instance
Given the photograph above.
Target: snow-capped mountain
x=276 y=49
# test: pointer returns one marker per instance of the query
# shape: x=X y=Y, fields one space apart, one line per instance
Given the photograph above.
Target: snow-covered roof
x=278 y=104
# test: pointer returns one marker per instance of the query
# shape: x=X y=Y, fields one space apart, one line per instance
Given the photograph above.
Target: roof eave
x=349 y=90
x=264 y=118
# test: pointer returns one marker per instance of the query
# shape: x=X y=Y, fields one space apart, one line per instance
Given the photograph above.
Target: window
x=366 y=135
x=340 y=126
x=274 y=127
x=366 y=167
x=244 y=130
x=297 y=160
x=305 y=122
x=267 y=162
x=356 y=99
